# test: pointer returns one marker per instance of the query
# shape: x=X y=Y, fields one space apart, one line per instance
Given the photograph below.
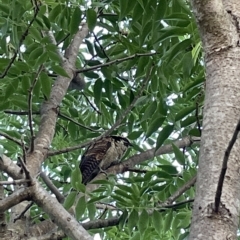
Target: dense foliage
x=143 y=67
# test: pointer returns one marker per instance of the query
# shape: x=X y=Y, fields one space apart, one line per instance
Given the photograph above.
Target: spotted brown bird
x=101 y=155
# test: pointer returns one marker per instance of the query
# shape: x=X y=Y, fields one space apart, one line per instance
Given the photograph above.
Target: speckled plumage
x=101 y=154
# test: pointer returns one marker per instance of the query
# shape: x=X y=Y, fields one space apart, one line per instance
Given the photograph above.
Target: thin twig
x=69 y=149
x=79 y=124
x=52 y=187
x=180 y=191
x=224 y=168
x=23 y=149
x=27 y=173
x=137 y=170
x=101 y=47
x=14 y=182
x=22 y=113
x=178 y=204
x=30 y=108
x=11 y=138
x=23 y=212
x=19 y=45
x=116 y=61
x=94 y=108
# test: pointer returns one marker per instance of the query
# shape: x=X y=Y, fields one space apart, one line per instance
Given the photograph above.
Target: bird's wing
x=91 y=159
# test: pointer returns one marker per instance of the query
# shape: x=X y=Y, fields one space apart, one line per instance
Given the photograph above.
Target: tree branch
x=14 y=182
x=117 y=61
x=224 y=168
x=30 y=107
x=52 y=187
x=15 y=198
x=9 y=167
x=20 y=43
x=179 y=192
x=141 y=157
x=19 y=143
x=58 y=214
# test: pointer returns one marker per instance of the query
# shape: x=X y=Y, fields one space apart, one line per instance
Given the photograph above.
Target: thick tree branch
x=58 y=214
x=49 y=110
x=15 y=198
x=9 y=167
x=144 y=156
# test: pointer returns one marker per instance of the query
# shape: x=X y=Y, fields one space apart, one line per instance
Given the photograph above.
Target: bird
x=101 y=154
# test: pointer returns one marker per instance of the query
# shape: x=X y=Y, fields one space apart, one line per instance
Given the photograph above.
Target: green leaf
x=76 y=177
x=150 y=111
x=195 y=132
x=80 y=207
x=163 y=135
x=70 y=200
x=154 y=126
x=123 y=219
x=90 y=47
x=184 y=112
x=136 y=236
x=59 y=70
x=170 y=32
x=143 y=221
x=46 y=83
x=75 y=20
x=97 y=91
x=178 y=155
x=36 y=53
x=91 y=19
x=55 y=12
x=91 y=210
x=54 y=56
x=132 y=220
x=157 y=221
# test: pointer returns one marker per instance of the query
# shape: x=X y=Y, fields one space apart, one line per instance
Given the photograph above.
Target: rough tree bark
x=219 y=30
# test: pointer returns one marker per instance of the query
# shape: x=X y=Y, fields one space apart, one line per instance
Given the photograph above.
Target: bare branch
x=11 y=138
x=52 y=187
x=26 y=171
x=23 y=212
x=49 y=110
x=30 y=107
x=178 y=204
x=117 y=61
x=15 y=198
x=69 y=149
x=224 y=168
x=58 y=214
x=136 y=170
x=16 y=112
x=141 y=157
x=3 y=222
x=14 y=182
x=179 y=192
x=94 y=108
x=75 y=122
x=9 y=167
x=20 y=43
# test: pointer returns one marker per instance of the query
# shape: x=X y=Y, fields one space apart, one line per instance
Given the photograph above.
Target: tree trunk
x=219 y=32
